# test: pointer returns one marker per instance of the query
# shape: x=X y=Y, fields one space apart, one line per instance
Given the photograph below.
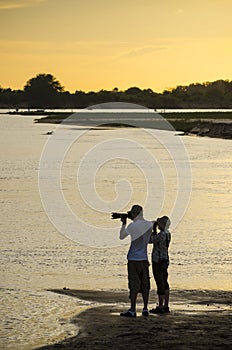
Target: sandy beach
x=198 y=320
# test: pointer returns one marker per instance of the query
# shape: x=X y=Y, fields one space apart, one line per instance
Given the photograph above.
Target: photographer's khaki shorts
x=138 y=276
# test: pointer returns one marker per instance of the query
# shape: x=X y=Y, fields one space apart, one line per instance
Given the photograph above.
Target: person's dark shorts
x=138 y=276
x=160 y=273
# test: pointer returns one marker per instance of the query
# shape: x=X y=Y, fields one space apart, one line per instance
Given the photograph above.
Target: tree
x=43 y=91
x=133 y=91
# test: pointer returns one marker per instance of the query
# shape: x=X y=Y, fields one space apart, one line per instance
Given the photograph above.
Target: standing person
x=140 y=231
x=160 y=262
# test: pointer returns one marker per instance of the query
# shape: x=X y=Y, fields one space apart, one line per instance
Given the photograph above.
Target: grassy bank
x=186 y=121
x=180 y=117
x=181 y=121
x=197 y=115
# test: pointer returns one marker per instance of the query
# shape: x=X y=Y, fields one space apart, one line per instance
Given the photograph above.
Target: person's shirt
x=140 y=231
x=161 y=241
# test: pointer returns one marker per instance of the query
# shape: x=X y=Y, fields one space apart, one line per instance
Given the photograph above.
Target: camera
x=121 y=215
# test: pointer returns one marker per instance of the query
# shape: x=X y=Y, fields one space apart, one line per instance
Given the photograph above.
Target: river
x=36 y=257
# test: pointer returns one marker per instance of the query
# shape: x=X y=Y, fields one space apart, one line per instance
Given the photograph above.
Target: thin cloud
x=141 y=51
x=14 y=4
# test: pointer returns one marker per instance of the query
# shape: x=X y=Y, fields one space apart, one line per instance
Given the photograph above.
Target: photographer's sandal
x=145 y=312
x=128 y=313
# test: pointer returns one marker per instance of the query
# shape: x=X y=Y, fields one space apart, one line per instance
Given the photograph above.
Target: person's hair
x=136 y=209
x=164 y=222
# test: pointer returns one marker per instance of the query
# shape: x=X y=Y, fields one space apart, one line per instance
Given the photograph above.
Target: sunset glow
x=94 y=45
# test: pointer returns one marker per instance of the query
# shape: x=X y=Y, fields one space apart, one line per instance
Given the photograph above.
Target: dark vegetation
x=44 y=92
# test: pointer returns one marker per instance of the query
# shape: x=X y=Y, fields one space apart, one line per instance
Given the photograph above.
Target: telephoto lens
x=119 y=216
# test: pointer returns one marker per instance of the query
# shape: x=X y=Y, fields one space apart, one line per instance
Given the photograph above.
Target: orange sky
x=102 y=44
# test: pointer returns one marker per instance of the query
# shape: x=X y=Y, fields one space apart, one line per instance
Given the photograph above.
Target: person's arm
x=123 y=233
x=153 y=237
x=168 y=238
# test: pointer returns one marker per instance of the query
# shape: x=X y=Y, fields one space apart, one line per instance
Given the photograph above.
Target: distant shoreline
x=211 y=124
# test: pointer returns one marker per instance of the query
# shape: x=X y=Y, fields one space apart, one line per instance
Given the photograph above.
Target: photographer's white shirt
x=140 y=231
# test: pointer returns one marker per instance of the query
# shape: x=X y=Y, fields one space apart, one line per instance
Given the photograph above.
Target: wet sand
x=198 y=320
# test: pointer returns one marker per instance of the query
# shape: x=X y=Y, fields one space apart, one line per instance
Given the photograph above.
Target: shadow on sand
x=198 y=320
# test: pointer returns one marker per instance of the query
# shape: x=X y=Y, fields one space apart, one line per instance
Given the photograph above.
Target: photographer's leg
x=145 y=283
x=145 y=300
x=134 y=282
x=166 y=301
x=133 y=297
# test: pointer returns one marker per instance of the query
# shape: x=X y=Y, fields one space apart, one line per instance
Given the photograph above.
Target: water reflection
x=35 y=257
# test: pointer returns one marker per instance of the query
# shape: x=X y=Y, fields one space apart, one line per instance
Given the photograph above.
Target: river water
x=35 y=257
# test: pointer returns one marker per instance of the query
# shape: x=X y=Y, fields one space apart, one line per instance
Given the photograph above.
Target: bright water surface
x=35 y=257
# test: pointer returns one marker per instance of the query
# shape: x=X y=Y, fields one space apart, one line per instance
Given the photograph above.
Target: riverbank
x=215 y=128
x=198 y=320
x=201 y=123
x=211 y=124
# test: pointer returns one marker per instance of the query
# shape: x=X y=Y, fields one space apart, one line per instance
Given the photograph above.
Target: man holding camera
x=138 y=266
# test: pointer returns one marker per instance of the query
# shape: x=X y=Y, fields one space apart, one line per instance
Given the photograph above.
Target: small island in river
x=210 y=124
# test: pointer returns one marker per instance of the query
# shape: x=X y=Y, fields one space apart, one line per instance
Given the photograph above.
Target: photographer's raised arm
x=123 y=233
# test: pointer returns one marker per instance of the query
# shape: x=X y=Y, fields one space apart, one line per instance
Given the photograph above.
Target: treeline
x=44 y=91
